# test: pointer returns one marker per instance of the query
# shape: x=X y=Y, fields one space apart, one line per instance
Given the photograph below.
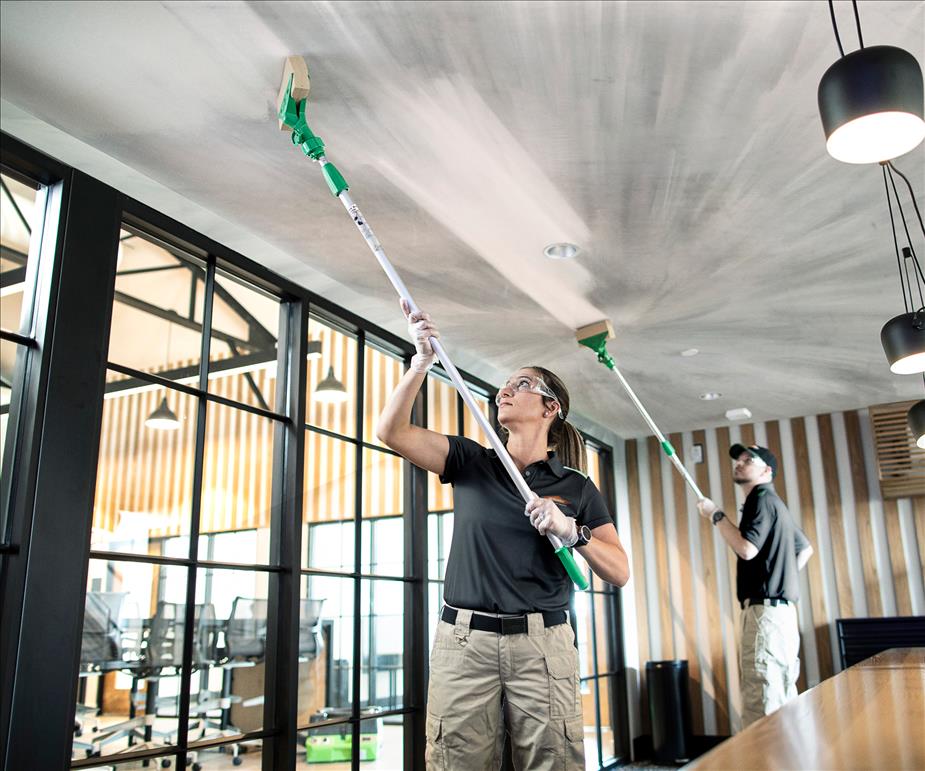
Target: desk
x=872 y=715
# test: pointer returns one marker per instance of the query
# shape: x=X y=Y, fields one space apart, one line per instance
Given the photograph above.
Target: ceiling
x=677 y=143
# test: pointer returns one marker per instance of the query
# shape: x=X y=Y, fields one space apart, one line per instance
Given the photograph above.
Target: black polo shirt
x=772 y=573
x=498 y=561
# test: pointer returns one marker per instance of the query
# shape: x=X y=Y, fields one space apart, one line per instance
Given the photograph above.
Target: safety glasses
x=525 y=384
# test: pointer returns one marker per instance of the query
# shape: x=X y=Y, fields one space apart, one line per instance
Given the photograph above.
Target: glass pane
x=382 y=372
x=439 y=538
x=441 y=406
x=8 y=355
x=606 y=686
x=329 y=503
x=441 y=417
x=470 y=427
x=144 y=479
x=242 y=351
x=18 y=218
x=330 y=744
x=237 y=480
x=383 y=504
x=130 y=657
x=245 y=755
x=227 y=686
x=381 y=684
x=589 y=718
x=382 y=744
x=157 y=310
x=325 y=649
x=332 y=379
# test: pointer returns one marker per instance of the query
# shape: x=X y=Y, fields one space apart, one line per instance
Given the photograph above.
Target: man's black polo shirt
x=767 y=523
x=498 y=561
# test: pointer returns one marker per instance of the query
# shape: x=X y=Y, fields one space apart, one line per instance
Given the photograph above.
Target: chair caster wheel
x=165 y=763
x=237 y=761
x=197 y=767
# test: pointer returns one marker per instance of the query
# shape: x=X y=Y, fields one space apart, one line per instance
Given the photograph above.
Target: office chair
x=106 y=646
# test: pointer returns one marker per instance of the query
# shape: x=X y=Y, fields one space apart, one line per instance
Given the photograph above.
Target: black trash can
x=669 y=710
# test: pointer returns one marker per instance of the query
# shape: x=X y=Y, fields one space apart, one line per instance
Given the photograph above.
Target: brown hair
x=563 y=436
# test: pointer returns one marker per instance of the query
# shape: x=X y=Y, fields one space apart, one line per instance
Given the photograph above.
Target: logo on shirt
x=559 y=499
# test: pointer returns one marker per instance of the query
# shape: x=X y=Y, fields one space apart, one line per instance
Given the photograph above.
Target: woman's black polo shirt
x=498 y=561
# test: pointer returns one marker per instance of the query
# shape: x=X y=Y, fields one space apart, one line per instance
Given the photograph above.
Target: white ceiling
x=678 y=143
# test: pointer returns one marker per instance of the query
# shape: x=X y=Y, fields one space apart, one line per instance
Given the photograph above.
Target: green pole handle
x=571 y=567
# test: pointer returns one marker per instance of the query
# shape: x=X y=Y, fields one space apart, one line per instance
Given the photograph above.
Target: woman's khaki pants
x=536 y=674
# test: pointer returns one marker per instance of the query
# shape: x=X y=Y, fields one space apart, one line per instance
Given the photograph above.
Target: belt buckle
x=514 y=625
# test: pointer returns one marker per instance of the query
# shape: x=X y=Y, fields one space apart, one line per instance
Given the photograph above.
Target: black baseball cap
x=759 y=452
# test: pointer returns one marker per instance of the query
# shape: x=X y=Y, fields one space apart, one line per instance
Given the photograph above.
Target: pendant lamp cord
x=899 y=264
x=857 y=21
x=835 y=27
x=911 y=194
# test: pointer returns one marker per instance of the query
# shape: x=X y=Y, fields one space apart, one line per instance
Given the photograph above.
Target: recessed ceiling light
x=562 y=251
x=739 y=413
x=709 y=396
x=690 y=352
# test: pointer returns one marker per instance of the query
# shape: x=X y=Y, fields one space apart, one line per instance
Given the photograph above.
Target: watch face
x=717 y=516
x=584 y=533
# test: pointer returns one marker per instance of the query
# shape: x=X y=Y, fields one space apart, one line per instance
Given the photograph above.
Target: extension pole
x=292 y=114
x=596 y=339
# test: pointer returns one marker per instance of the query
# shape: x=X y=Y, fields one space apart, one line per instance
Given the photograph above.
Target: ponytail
x=563 y=436
x=568 y=444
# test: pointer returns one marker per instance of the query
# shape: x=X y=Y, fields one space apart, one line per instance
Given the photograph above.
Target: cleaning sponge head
x=296 y=69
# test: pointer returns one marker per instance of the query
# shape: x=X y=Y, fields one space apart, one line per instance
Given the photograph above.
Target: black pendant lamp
x=903 y=336
x=163 y=418
x=916 y=420
x=331 y=390
x=871 y=102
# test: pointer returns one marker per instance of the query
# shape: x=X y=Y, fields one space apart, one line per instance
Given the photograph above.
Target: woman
x=504 y=636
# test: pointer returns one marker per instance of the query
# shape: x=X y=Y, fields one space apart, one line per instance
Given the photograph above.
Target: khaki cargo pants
x=537 y=673
x=769 y=659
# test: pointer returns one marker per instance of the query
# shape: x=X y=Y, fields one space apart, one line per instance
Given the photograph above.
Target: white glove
x=420 y=329
x=706 y=507
x=546 y=517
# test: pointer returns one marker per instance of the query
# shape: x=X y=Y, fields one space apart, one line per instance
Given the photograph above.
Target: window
x=21 y=220
x=181 y=633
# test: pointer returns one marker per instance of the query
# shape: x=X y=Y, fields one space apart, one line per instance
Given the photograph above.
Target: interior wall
x=680 y=603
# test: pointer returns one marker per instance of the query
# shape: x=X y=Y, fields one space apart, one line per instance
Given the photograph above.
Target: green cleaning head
x=595 y=337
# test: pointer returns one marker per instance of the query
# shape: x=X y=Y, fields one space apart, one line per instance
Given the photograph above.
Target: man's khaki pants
x=537 y=674
x=769 y=659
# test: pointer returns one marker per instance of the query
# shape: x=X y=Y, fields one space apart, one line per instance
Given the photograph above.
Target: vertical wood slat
x=835 y=517
x=642 y=613
x=717 y=673
x=918 y=511
x=661 y=548
x=863 y=513
x=817 y=598
x=772 y=430
x=897 y=558
x=686 y=601
x=723 y=442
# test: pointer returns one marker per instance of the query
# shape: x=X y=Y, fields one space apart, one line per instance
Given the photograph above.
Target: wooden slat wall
x=829 y=462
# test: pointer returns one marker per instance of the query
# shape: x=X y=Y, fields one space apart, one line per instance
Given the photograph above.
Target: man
x=771 y=551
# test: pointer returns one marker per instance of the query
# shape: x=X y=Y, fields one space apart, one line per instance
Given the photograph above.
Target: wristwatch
x=717 y=516
x=584 y=536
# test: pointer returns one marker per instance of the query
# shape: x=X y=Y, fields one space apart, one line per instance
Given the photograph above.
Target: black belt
x=504 y=624
x=764 y=601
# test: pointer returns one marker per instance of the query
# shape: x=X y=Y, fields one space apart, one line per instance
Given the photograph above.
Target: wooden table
x=871 y=716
